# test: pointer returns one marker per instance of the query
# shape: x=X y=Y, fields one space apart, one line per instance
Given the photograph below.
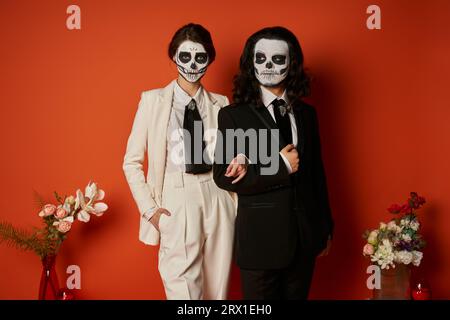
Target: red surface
x=68 y=99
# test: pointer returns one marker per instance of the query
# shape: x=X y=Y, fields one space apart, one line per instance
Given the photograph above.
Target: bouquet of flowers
x=399 y=240
x=58 y=220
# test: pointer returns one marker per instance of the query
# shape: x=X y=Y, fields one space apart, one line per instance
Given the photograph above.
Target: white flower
x=405 y=221
x=416 y=257
x=414 y=225
x=406 y=237
x=384 y=255
x=403 y=256
x=70 y=200
x=392 y=225
x=383 y=226
x=372 y=239
x=88 y=204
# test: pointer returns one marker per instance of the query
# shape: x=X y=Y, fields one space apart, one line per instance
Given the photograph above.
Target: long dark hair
x=246 y=86
x=196 y=33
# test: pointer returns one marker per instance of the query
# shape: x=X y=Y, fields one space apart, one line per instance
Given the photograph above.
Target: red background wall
x=68 y=99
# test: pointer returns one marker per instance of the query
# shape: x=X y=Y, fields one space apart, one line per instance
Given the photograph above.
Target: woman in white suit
x=181 y=207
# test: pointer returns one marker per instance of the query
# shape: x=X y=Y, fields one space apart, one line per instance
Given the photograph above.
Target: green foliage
x=21 y=239
x=38 y=199
x=48 y=239
x=41 y=241
x=58 y=197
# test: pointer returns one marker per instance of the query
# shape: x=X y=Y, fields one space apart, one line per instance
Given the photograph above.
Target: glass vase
x=49 y=287
x=394 y=284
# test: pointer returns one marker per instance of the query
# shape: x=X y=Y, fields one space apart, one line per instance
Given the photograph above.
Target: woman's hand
x=154 y=220
x=237 y=168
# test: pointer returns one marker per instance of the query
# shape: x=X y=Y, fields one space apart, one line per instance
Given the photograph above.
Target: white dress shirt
x=175 y=160
x=267 y=98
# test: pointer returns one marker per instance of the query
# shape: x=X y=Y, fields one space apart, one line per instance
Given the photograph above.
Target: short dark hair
x=246 y=86
x=195 y=33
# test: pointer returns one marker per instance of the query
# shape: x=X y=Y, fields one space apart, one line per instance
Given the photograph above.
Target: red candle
x=421 y=292
x=65 y=294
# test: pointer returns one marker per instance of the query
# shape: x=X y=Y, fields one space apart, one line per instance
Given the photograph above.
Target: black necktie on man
x=281 y=112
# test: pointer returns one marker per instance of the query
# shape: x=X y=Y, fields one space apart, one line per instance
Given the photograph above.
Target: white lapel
x=159 y=135
x=212 y=109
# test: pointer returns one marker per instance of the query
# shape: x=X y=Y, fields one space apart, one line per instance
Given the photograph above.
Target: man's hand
x=154 y=220
x=237 y=168
x=291 y=155
x=326 y=250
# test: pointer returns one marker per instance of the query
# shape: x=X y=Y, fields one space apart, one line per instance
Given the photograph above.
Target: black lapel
x=299 y=120
x=268 y=122
x=264 y=115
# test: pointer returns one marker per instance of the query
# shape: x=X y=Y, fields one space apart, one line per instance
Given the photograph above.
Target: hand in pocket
x=154 y=220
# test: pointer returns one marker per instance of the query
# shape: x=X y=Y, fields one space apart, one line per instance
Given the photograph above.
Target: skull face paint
x=271 y=61
x=192 y=60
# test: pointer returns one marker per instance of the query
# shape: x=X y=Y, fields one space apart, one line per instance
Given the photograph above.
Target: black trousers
x=290 y=283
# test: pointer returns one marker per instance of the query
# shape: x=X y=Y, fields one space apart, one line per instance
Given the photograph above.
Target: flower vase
x=49 y=287
x=394 y=284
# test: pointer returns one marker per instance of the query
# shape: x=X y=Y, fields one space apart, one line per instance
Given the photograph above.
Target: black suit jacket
x=277 y=212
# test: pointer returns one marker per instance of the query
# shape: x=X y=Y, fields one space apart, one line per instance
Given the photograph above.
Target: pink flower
x=368 y=249
x=47 y=210
x=60 y=213
x=64 y=226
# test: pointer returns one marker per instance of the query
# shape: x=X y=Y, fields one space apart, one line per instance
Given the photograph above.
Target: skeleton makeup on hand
x=271 y=61
x=192 y=60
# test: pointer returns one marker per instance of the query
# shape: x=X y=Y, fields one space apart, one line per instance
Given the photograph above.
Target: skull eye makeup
x=201 y=57
x=271 y=61
x=184 y=56
x=279 y=59
x=192 y=60
x=260 y=58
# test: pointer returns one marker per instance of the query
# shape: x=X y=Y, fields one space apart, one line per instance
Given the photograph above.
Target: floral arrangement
x=58 y=220
x=398 y=241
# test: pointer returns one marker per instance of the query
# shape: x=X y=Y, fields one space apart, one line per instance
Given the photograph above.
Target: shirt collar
x=267 y=97
x=182 y=98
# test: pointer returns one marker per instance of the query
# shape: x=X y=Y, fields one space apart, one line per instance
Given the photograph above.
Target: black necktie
x=193 y=143
x=281 y=112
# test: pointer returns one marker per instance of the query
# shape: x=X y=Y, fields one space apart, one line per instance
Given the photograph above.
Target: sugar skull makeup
x=192 y=60
x=271 y=61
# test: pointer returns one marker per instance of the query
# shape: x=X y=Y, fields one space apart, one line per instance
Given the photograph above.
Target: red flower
x=406 y=208
x=395 y=208
x=415 y=201
x=421 y=200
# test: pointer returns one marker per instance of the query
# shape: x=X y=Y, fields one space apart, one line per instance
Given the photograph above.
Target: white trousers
x=197 y=239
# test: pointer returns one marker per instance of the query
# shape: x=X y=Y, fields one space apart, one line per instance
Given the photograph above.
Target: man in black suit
x=284 y=219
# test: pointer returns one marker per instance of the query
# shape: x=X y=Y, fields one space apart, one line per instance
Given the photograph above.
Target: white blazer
x=149 y=135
